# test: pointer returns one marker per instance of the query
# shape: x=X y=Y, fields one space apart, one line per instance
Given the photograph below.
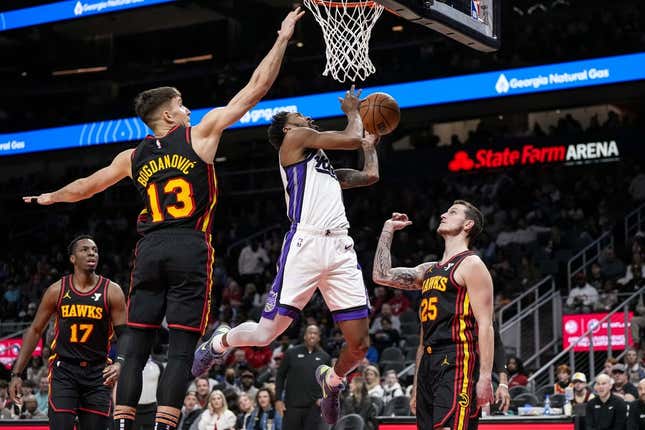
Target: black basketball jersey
x=83 y=325
x=445 y=311
x=178 y=188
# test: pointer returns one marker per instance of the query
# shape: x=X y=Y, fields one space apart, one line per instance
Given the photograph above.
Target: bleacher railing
x=634 y=222
x=586 y=362
x=526 y=330
x=587 y=256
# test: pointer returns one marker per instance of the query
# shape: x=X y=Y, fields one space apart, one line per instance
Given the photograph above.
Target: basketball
x=380 y=113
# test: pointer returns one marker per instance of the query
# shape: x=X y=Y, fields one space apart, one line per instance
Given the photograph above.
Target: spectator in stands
x=596 y=278
x=258 y=357
x=216 y=415
x=284 y=343
x=635 y=370
x=247 y=384
x=622 y=387
x=563 y=373
x=582 y=296
x=608 y=365
x=610 y=265
x=399 y=303
x=252 y=261
x=30 y=409
x=358 y=402
x=636 y=420
x=380 y=297
x=12 y=300
x=638 y=324
x=606 y=411
x=372 y=378
x=264 y=416
x=42 y=396
x=246 y=406
x=202 y=391
x=581 y=392
x=386 y=336
x=391 y=386
x=37 y=368
x=190 y=411
x=608 y=297
x=386 y=312
x=516 y=374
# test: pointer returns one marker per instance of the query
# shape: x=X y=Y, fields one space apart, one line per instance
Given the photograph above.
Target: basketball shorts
x=446 y=394
x=312 y=259
x=76 y=388
x=172 y=277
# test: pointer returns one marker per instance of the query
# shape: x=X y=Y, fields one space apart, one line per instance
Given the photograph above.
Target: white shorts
x=311 y=259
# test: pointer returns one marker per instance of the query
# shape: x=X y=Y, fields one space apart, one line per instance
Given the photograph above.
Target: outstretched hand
x=289 y=23
x=43 y=199
x=351 y=101
x=398 y=221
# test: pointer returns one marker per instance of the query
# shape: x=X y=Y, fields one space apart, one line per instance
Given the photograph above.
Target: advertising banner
x=575 y=325
x=10 y=348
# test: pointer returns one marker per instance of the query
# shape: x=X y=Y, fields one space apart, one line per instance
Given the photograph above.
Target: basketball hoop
x=347 y=28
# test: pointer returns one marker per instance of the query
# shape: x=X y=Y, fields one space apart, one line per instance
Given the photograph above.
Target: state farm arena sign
x=531 y=154
x=574 y=326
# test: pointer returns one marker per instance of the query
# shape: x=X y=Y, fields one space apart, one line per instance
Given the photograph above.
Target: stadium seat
x=524 y=399
x=408 y=316
x=391 y=354
x=379 y=404
x=411 y=340
x=398 y=406
x=397 y=366
x=409 y=327
x=541 y=392
x=557 y=400
x=350 y=422
x=517 y=390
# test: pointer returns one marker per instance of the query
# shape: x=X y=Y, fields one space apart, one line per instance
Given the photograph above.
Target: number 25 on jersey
x=428 y=309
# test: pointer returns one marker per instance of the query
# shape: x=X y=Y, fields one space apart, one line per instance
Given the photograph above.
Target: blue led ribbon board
x=504 y=83
x=72 y=9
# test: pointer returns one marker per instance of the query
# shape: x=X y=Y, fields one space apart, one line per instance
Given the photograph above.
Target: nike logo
x=348 y=247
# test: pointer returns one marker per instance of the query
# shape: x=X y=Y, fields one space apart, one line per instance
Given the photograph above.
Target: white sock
x=217 y=345
x=333 y=380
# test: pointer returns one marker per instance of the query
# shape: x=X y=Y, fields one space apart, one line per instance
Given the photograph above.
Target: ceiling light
x=300 y=44
x=79 y=71
x=397 y=28
x=185 y=60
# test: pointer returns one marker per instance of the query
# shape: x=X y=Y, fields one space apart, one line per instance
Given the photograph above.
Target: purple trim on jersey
x=289 y=172
x=301 y=177
x=350 y=314
x=288 y=311
x=273 y=298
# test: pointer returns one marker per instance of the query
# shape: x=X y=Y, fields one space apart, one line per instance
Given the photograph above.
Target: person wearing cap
x=622 y=386
x=607 y=411
x=636 y=419
x=581 y=392
x=247 y=383
x=297 y=394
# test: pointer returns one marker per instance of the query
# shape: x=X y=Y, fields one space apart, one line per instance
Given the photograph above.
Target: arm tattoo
x=350 y=178
x=401 y=277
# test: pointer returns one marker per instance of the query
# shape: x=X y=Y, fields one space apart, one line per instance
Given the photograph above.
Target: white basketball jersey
x=313 y=193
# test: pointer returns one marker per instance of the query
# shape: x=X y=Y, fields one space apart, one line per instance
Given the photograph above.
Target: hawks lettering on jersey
x=444 y=309
x=83 y=324
x=178 y=188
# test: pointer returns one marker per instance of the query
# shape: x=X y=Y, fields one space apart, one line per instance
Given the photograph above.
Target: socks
x=166 y=418
x=217 y=345
x=124 y=417
x=333 y=380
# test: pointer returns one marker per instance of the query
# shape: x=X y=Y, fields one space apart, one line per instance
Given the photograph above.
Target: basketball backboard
x=475 y=23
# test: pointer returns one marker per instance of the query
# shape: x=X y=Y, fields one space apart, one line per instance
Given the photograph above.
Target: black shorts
x=172 y=277
x=446 y=389
x=76 y=389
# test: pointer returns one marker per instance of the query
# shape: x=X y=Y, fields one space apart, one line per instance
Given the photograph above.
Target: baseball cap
x=619 y=367
x=579 y=376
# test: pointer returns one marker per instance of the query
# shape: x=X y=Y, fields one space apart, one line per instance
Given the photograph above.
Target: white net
x=347 y=28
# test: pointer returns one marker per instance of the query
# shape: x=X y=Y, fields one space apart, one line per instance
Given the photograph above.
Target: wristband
x=120 y=360
x=503 y=385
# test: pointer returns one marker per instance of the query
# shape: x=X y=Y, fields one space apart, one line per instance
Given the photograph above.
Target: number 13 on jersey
x=183 y=191
x=428 y=309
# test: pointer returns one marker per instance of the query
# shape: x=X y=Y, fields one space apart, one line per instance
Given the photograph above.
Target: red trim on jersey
x=92 y=291
x=209 y=284
x=210 y=207
x=454 y=268
x=188 y=135
x=106 y=302
x=185 y=327
x=441 y=265
x=93 y=411
x=142 y=325
x=134 y=265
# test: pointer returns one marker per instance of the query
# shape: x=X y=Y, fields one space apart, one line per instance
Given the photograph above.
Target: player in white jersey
x=317 y=252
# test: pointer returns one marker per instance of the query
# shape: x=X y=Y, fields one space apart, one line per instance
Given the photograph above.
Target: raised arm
x=31 y=337
x=206 y=134
x=475 y=276
x=403 y=278
x=348 y=139
x=84 y=188
x=351 y=178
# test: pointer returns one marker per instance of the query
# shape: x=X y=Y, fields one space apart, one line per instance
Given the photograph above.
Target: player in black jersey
x=89 y=309
x=172 y=277
x=455 y=356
